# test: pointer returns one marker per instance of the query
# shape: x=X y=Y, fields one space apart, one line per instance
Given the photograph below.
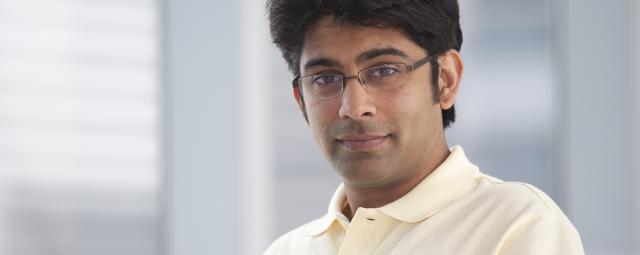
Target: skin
x=381 y=143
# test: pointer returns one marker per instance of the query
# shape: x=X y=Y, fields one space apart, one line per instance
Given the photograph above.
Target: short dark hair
x=432 y=24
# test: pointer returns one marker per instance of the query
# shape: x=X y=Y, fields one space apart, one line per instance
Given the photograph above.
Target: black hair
x=432 y=24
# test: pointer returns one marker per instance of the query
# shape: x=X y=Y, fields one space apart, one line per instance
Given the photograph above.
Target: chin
x=362 y=172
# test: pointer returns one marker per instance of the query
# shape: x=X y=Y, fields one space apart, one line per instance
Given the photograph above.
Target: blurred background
x=168 y=127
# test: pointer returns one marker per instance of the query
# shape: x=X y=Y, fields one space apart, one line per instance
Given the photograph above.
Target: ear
x=300 y=102
x=451 y=68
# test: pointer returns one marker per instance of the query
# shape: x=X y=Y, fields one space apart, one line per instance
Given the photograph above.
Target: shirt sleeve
x=549 y=232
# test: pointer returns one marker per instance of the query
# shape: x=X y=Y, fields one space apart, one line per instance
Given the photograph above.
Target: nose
x=356 y=103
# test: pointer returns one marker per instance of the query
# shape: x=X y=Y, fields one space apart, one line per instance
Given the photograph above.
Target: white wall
x=203 y=181
x=636 y=42
x=216 y=125
x=595 y=127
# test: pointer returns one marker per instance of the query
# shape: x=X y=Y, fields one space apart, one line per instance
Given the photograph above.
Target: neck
x=378 y=196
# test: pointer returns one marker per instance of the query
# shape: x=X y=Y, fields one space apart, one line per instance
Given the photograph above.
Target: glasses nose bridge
x=357 y=77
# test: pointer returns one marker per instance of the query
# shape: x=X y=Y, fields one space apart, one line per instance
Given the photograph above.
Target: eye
x=326 y=79
x=383 y=71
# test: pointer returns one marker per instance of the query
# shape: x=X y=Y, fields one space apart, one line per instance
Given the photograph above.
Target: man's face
x=372 y=138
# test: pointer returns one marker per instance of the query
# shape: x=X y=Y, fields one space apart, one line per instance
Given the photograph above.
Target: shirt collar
x=334 y=213
x=438 y=189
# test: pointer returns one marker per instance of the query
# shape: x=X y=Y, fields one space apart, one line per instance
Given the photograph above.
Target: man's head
x=374 y=134
x=432 y=24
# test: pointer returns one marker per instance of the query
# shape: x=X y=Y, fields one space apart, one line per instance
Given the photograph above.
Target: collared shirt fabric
x=455 y=210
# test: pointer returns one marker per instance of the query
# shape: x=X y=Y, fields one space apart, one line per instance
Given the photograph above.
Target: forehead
x=344 y=42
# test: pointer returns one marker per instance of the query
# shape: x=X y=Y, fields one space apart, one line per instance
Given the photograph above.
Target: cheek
x=412 y=109
x=321 y=111
x=321 y=114
x=409 y=104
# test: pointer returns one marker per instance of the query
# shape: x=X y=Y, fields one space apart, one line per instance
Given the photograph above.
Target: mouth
x=362 y=142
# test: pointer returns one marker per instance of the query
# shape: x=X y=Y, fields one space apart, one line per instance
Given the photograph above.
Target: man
x=376 y=81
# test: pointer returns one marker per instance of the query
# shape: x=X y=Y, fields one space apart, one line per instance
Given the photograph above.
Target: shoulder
x=511 y=203
x=534 y=223
x=519 y=196
x=530 y=219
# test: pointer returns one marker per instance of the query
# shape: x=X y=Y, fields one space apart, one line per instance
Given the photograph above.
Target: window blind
x=79 y=134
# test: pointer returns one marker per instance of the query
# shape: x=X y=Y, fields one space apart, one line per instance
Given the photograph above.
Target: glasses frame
x=409 y=67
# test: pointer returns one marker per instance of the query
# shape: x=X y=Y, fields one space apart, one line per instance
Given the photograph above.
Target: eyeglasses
x=375 y=78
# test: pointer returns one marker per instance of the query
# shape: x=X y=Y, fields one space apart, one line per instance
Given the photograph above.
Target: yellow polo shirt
x=455 y=210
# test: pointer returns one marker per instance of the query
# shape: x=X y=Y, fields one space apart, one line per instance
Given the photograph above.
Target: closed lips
x=361 y=138
x=362 y=142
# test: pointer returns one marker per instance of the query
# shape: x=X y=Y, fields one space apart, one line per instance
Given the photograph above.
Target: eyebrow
x=321 y=62
x=367 y=55
x=374 y=53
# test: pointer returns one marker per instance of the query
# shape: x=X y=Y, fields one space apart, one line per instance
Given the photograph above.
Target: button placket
x=366 y=230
